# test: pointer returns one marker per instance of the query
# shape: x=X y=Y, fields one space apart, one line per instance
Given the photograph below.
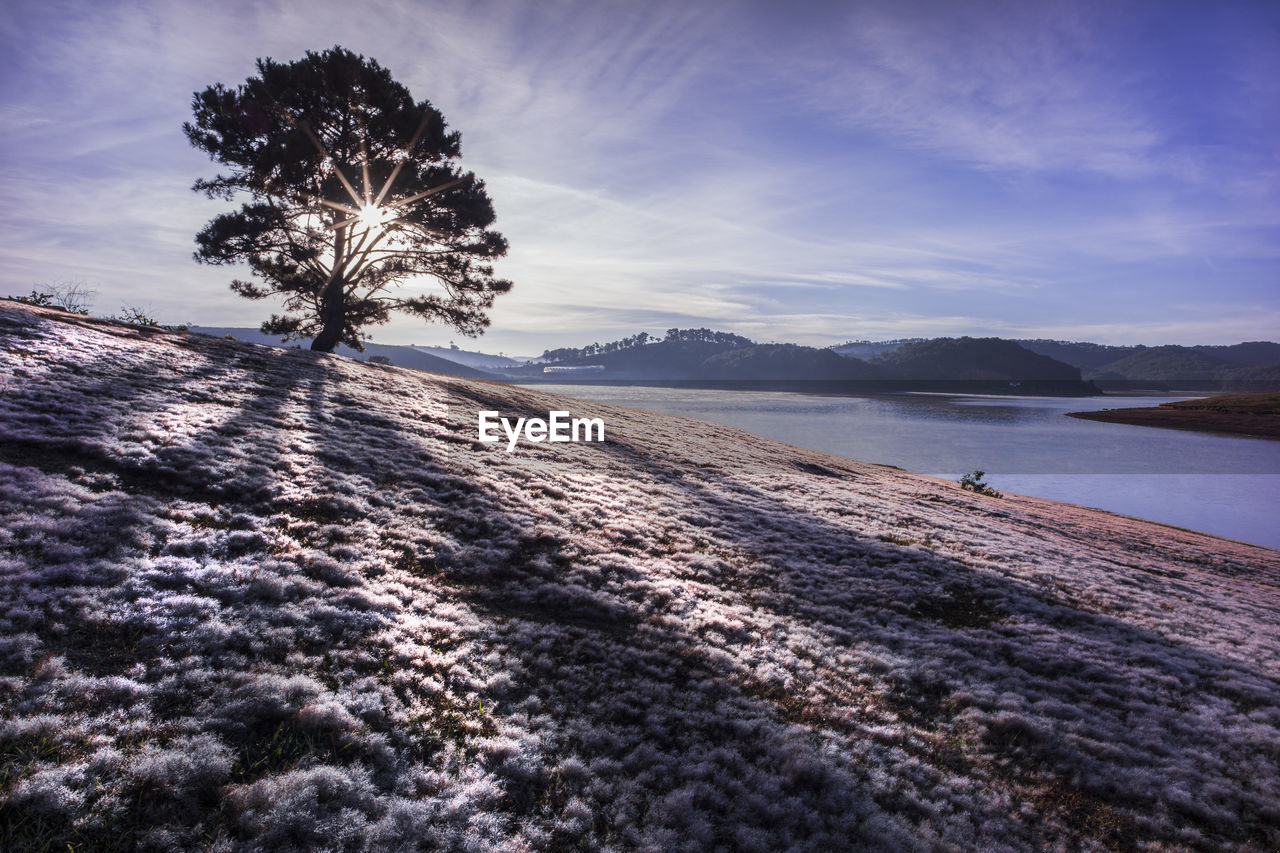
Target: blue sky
x=811 y=172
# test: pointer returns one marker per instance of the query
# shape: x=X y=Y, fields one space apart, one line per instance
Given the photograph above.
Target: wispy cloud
x=1000 y=85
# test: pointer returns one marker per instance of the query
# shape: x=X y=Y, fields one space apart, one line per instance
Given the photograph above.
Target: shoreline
x=1198 y=420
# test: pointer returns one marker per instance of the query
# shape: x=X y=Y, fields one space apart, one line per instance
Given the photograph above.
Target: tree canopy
x=352 y=192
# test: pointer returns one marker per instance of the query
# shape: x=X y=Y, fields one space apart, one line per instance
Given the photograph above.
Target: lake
x=1225 y=485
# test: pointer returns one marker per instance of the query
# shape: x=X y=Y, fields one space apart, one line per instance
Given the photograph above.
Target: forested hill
x=1245 y=364
x=270 y=599
x=972 y=358
x=702 y=354
x=1218 y=367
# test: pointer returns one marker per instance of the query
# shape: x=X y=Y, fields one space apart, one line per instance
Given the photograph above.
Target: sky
x=800 y=171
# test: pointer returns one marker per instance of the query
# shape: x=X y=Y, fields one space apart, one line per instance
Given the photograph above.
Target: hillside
x=1081 y=354
x=1242 y=367
x=869 y=349
x=1248 y=366
x=267 y=599
x=1247 y=354
x=661 y=360
x=1162 y=363
x=972 y=359
x=1235 y=404
x=785 y=361
x=981 y=365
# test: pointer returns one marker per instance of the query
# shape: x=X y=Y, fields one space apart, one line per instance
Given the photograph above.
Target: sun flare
x=373 y=216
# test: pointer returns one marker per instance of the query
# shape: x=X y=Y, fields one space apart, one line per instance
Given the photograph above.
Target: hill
x=1163 y=363
x=417 y=358
x=1248 y=366
x=1247 y=354
x=987 y=365
x=1081 y=354
x=673 y=359
x=785 y=361
x=702 y=354
x=1251 y=366
x=972 y=359
x=262 y=598
x=869 y=349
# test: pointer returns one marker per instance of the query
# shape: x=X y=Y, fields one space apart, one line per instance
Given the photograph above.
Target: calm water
x=1225 y=485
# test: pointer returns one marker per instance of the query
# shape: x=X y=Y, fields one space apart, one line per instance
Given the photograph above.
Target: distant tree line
x=705 y=336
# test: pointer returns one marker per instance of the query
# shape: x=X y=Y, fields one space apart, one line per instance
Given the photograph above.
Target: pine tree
x=353 y=193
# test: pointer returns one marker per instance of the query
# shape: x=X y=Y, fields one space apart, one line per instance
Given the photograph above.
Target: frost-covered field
x=264 y=599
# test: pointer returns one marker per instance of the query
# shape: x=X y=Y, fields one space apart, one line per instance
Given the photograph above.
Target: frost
x=262 y=599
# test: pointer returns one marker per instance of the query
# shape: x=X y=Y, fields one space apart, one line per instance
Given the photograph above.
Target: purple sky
x=803 y=171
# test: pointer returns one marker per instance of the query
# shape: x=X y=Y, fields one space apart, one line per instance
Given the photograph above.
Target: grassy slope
x=1265 y=403
x=1239 y=414
x=262 y=599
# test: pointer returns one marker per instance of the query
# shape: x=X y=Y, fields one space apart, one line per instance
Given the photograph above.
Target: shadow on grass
x=961 y=673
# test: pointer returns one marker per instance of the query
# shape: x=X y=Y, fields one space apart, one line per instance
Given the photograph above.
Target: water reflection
x=1229 y=485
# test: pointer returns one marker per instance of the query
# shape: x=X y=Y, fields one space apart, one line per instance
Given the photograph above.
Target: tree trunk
x=333 y=307
x=332 y=317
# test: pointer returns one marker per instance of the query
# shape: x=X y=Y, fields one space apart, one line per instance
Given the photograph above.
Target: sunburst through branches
x=372 y=224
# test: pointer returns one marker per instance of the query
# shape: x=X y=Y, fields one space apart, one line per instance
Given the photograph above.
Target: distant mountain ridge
x=418 y=358
x=1247 y=363
x=988 y=365
x=471 y=358
x=708 y=355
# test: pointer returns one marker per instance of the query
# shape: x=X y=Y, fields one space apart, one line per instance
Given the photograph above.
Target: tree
x=352 y=191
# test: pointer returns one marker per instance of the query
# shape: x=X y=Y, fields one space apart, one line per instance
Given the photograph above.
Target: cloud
x=999 y=85
x=712 y=160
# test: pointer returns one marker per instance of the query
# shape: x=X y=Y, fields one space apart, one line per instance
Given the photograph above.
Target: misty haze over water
x=1225 y=485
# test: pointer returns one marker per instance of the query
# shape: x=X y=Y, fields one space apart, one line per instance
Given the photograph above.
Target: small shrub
x=973 y=482
x=135 y=316
x=72 y=296
x=379 y=359
x=43 y=300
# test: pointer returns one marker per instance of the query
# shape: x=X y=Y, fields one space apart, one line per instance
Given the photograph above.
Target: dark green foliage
x=721 y=340
x=973 y=482
x=708 y=354
x=1081 y=354
x=972 y=359
x=1250 y=378
x=1242 y=365
x=1163 y=363
x=337 y=274
x=785 y=361
x=1247 y=354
